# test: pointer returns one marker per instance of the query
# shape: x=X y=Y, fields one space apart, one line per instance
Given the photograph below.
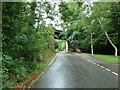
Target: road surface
x=69 y=71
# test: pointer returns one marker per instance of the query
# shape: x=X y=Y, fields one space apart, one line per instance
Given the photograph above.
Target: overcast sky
x=57 y=19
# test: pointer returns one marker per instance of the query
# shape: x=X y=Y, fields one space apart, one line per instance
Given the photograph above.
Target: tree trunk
x=66 y=46
x=116 y=50
x=91 y=40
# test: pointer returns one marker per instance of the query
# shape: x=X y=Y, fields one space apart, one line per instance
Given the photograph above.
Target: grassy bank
x=20 y=82
x=110 y=58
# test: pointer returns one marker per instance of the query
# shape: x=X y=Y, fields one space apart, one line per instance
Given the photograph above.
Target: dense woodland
x=25 y=38
x=93 y=27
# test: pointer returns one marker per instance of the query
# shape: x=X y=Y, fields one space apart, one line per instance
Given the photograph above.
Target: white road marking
x=98 y=65
x=101 y=66
x=115 y=73
x=94 y=63
x=107 y=69
x=89 y=60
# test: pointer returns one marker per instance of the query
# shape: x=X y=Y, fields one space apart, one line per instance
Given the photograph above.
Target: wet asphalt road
x=69 y=71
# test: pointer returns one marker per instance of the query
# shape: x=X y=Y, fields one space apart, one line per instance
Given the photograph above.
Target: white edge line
x=98 y=65
x=107 y=69
x=91 y=61
x=115 y=73
x=101 y=66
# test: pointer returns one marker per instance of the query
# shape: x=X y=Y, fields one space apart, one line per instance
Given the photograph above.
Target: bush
x=16 y=67
x=30 y=66
x=12 y=69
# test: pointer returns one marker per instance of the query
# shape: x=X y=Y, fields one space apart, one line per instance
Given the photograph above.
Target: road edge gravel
x=31 y=85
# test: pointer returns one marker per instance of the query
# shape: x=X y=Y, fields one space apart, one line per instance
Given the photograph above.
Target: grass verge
x=110 y=58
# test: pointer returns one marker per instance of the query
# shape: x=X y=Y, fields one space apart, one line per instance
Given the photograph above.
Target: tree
x=105 y=16
x=25 y=38
x=82 y=20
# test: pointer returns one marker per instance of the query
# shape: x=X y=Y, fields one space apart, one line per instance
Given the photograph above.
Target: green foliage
x=25 y=37
x=7 y=84
x=14 y=66
x=60 y=45
x=80 y=19
x=3 y=72
x=30 y=66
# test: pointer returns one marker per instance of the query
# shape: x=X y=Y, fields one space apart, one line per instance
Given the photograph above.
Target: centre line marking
x=115 y=73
